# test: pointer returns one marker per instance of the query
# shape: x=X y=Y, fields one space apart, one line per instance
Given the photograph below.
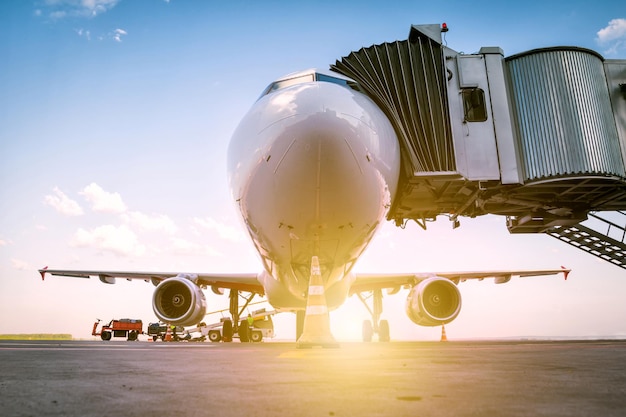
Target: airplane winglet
x=43 y=272
x=566 y=272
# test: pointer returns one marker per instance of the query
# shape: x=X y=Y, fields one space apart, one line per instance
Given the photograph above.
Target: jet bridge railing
x=600 y=236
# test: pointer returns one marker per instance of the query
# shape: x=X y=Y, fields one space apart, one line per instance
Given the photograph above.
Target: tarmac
x=119 y=378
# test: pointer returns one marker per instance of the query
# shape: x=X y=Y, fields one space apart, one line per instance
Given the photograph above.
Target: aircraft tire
x=383 y=331
x=243 y=331
x=227 y=331
x=368 y=331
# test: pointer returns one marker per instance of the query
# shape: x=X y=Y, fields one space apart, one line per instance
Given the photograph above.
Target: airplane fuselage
x=313 y=168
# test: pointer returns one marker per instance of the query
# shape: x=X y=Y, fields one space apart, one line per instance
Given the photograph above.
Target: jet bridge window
x=474 y=107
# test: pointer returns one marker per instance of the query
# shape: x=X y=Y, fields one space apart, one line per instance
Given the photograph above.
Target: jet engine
x=179 y=301
x=433 y=302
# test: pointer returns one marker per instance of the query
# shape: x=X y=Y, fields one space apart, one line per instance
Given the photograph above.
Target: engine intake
x=179 y=301
x=433 y=302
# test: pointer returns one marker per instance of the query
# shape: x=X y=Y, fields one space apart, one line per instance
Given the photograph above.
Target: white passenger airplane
x=313 y=168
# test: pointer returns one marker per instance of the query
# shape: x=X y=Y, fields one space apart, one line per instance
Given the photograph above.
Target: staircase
x=599 y=236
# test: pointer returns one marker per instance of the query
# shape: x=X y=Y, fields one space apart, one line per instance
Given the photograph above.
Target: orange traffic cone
x=168 y=334
x=316 y=327
x=444 y=338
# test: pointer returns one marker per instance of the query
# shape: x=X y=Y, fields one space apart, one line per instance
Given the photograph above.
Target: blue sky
x=115 y=117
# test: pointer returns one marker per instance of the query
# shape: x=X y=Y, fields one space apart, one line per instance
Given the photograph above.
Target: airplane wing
x=369 y=282
x=244 y=282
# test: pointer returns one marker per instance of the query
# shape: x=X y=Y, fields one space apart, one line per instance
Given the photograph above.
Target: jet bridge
x=539 y=137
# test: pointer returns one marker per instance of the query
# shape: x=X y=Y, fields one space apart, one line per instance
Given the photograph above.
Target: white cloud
x=615 y=30
x=613 y=37
x=117 y=34
x=84 y=33
x=118 y=240
x=224 y=231
x=63 y=204
x=58 y=9
x=21 y=265
x=153 y=223
x=3 y=242
x=103 y=201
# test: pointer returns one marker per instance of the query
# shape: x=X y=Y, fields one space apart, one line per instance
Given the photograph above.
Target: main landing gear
x=375 y=325
x=240 y=327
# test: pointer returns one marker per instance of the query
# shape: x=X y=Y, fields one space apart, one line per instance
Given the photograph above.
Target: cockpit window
x=329 y=79
x=306 y=78
x=277 y=85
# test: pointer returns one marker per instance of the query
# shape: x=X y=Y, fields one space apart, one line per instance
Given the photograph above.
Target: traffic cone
x=316 y=327
x=444 y=338
x=168 y=334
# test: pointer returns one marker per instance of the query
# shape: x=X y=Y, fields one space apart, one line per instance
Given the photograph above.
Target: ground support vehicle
x=222 y=331
x=128 y=328
x=159 y=331
x=262 y=327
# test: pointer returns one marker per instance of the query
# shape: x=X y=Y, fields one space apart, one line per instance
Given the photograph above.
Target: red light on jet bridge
x=444 y=27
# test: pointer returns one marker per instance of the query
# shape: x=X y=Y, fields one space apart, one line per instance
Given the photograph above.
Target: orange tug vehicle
x=128 y=328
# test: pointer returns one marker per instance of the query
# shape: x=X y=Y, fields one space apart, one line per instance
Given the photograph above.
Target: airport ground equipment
x=128 y=328
x=222 y=331
x=538 y=137
x=237 y=324
x=262 y=328
x=159 y=331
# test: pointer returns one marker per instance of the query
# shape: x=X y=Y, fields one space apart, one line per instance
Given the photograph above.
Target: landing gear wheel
x=105 y=336
x=383 y=331
x=227 y=331
x=215 y=336
x=256 y=336
x=243 y=331
x=132 y=335
x=368 y=331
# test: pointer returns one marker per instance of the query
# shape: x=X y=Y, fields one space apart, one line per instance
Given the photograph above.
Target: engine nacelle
x=179 y=301
x=433 y=302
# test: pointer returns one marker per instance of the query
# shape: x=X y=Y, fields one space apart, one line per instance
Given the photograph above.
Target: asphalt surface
x=114 y=378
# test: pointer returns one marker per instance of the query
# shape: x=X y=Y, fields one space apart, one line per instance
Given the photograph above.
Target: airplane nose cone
x=313 y=169
x=321 y=191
